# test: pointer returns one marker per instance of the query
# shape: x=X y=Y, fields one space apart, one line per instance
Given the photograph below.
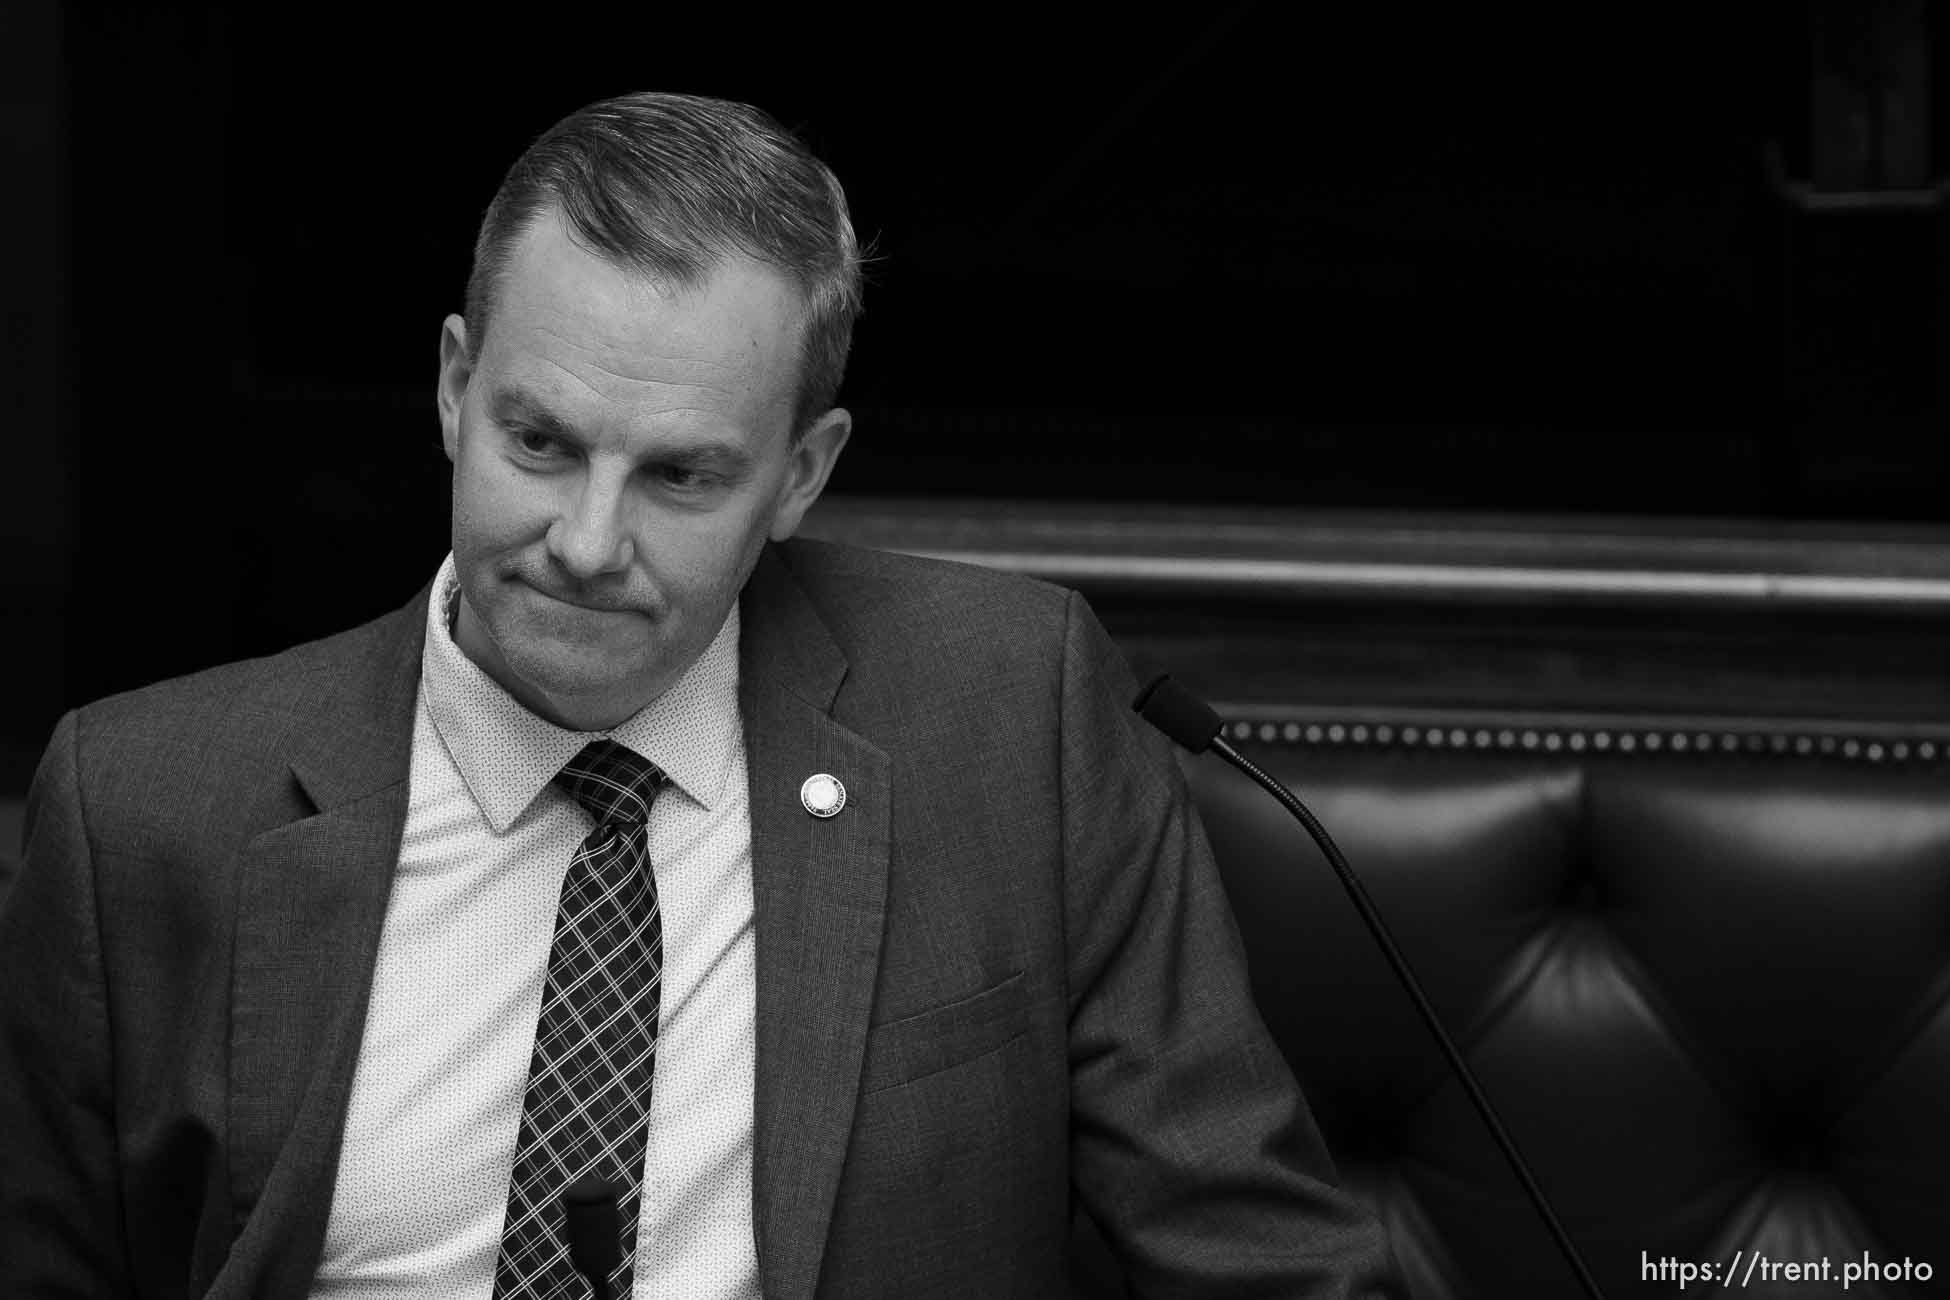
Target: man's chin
x=578 y=702
x=577 y=671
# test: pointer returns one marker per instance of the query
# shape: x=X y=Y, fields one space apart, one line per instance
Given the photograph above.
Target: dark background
x=1450 y=258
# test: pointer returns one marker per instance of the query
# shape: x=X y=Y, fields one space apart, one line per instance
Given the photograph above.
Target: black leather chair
x=1705 y=978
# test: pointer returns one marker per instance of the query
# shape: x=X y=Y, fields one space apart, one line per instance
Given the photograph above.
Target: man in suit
x=329 y=974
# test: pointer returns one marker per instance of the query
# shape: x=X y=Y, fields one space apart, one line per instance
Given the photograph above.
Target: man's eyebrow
x=518 y=406
x=515 y=405
x=724 y=458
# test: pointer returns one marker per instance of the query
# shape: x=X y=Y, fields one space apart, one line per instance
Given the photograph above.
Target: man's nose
x=591 y=536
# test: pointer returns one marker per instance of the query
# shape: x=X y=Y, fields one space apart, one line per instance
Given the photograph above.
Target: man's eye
x=535 y=444
x=678 y=476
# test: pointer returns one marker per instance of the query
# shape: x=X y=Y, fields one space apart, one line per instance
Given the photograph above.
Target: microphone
x=589 y=1217
x=1192 y=723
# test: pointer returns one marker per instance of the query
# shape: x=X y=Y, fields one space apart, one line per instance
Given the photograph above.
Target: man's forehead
x=550 y=247
x=577 y=342
x=554 y=280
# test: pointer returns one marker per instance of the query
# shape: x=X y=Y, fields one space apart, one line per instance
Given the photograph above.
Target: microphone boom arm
x=1192 y=723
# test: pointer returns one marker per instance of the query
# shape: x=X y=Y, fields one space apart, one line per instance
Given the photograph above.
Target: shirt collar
x=507 y=755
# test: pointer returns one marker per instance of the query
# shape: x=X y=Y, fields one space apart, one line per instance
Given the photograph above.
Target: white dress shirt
x=422 y=1186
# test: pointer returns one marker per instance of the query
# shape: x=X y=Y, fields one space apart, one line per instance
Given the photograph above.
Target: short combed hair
x=670 y=185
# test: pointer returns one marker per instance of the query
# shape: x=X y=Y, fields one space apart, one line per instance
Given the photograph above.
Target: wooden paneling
x=1688 y=620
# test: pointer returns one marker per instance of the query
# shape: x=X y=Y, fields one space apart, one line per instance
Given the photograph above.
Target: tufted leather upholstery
x=1709 y=995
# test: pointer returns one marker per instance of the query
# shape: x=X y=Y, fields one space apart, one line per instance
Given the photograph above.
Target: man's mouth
x=593 y=605
x=587 y=605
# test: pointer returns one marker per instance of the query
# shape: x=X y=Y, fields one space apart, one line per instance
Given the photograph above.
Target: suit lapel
x=311 y=901
x=819 y=888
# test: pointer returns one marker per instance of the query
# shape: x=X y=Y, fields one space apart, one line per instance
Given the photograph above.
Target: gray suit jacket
x=1002 y=978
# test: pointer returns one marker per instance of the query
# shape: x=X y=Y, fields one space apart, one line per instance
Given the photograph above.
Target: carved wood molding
x=1619 y=562
x=1651 y=629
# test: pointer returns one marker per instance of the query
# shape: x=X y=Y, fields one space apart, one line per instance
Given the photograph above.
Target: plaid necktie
x=587 y=1108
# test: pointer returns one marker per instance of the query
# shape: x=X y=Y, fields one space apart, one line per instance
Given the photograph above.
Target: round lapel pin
x=823 y=795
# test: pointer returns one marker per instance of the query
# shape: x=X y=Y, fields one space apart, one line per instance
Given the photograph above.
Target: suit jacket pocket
x=939 y=1038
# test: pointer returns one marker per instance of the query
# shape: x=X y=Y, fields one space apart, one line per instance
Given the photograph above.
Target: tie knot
x=612 y=782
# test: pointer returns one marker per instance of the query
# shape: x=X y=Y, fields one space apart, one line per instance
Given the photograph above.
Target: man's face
x=621 y=454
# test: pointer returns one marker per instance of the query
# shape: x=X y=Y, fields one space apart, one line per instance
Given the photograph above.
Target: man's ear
x=811 y=464
x=456 y=367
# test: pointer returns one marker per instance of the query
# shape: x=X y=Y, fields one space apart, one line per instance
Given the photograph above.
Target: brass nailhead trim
x=1600 y=740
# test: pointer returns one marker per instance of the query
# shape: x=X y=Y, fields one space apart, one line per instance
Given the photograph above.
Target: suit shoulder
x=159 y=746
x=202 y=699
x=872 y=598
